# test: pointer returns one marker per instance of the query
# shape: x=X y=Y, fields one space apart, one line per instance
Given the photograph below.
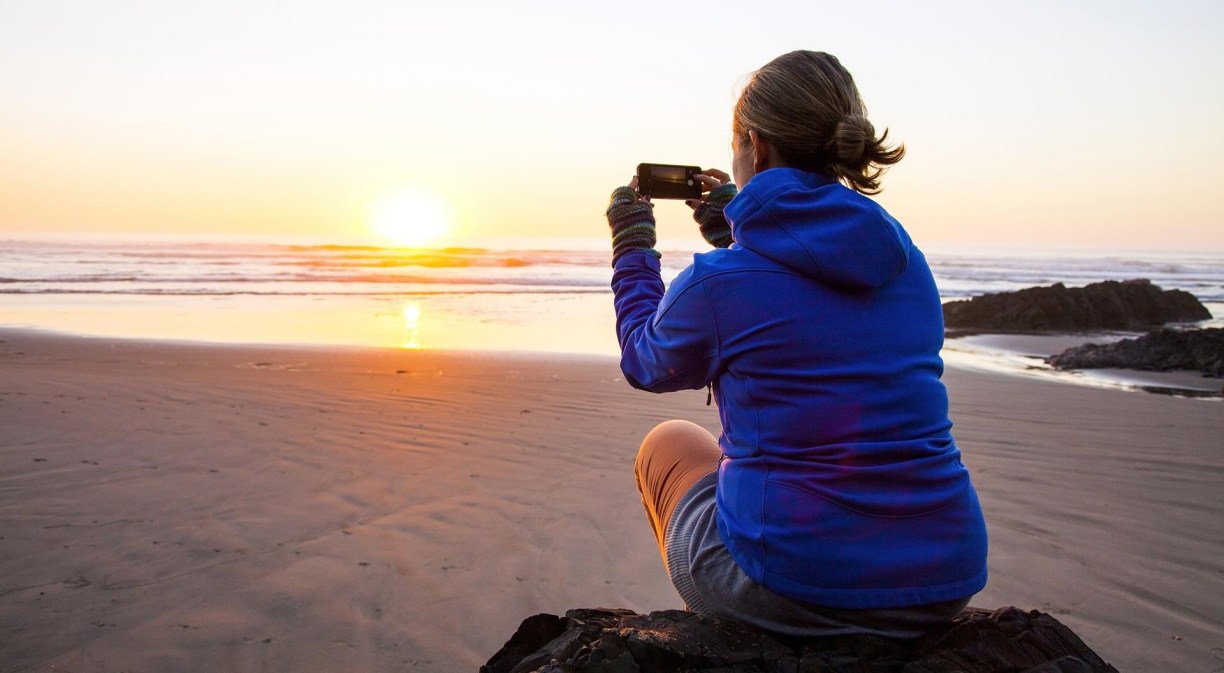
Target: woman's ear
x=762 y=152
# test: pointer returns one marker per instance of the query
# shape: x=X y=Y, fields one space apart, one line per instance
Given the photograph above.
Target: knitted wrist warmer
x=709 y=216
x=632 y=223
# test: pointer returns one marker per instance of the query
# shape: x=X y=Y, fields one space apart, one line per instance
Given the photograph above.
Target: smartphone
x=668 y=181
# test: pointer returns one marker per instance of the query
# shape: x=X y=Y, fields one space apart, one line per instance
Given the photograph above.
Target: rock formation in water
x=1200 y=350
x=1109 y=305
x=1007 y=640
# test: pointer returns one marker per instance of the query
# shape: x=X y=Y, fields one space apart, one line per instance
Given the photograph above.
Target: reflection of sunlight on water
x=412 y=326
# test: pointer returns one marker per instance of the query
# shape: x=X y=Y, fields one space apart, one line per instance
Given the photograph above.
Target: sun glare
x=411 y=218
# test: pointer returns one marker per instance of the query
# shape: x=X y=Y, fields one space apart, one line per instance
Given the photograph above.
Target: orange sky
x=1034 y=125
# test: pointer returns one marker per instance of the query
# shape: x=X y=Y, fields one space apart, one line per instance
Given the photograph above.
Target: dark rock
x=1200 y=350
x=1125 y=305
x=532 y=636
x=1007 y=640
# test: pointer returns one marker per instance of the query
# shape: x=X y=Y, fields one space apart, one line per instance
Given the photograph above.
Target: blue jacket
x=820 y=329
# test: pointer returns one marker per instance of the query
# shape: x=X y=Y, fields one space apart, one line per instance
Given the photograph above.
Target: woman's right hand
x=710 y=179
x=717 y=191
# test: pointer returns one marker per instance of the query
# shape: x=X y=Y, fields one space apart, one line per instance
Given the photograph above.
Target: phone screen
x=672 y=174
x=668 y=181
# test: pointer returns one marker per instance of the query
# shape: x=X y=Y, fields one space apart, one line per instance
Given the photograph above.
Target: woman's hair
x=806 y=104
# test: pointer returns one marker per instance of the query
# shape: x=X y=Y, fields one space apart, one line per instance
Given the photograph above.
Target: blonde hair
x=807 y=106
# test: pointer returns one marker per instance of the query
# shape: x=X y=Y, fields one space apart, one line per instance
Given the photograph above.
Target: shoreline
x=1010 y=354
x=196 y=508
x=545 y=295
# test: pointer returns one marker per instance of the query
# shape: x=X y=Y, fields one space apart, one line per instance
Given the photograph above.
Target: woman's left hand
x=632 y=222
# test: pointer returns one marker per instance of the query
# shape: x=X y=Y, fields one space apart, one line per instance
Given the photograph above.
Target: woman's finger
x=717 y=174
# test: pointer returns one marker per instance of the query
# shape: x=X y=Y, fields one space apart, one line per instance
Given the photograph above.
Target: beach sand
x=168 y=507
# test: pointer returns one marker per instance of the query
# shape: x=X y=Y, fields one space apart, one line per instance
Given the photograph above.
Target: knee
x=668 y=435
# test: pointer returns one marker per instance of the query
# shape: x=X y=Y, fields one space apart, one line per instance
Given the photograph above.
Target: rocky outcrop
x=1007 y=640
x=1110 y=305
x=1200 y=350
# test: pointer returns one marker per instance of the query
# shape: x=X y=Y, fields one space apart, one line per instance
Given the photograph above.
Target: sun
x=410 y=217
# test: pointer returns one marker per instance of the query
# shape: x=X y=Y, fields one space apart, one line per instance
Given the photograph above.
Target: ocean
x=524 y=295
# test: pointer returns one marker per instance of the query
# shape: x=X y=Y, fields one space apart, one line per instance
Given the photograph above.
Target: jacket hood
x=816 y=226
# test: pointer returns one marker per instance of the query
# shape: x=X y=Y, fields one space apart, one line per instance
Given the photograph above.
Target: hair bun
x=852 y=140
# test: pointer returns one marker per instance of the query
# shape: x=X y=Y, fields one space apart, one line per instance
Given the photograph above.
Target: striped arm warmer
x=709 y=215
x=632 y=223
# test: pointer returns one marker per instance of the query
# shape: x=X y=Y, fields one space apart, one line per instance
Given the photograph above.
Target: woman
x=834 y=501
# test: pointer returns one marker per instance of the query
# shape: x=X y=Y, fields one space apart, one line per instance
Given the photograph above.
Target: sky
x=1036 y=124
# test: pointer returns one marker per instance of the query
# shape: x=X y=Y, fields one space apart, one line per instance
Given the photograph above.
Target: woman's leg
x=673 y=456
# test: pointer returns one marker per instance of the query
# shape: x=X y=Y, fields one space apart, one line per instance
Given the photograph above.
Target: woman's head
x=805 y=106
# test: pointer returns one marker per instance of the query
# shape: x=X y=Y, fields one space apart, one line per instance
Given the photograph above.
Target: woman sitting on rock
x=834 y=501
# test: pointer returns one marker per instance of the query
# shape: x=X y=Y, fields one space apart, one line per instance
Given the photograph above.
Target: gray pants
x=712 y=583
x=676 y=475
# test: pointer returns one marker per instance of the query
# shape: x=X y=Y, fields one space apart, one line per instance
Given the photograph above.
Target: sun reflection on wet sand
x=556 y=323
x=412 y=326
